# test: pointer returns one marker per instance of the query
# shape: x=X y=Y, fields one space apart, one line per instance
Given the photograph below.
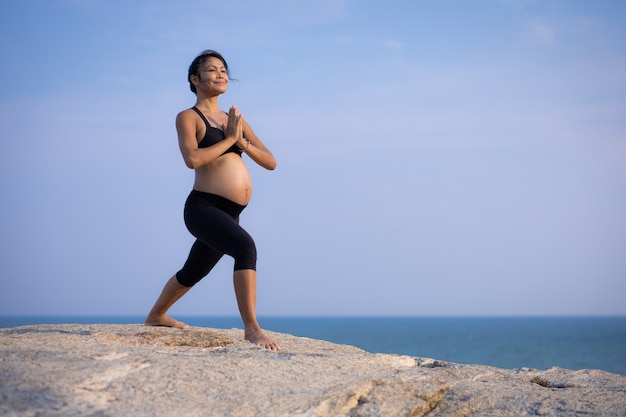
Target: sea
x=505 y=342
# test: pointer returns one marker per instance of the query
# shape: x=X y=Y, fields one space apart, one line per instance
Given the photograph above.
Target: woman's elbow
x=271 y=165
x=191 y=163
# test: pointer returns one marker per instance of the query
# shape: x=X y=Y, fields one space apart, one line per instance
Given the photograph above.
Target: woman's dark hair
x=194 y=68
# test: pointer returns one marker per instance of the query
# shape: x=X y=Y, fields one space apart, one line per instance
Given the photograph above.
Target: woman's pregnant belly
x=228 y=177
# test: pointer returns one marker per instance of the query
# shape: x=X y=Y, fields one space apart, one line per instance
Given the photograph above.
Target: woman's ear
x=194 y=79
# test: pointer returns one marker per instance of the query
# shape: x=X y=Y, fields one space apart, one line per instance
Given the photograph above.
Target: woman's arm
x=186 y=126
x=256 y=151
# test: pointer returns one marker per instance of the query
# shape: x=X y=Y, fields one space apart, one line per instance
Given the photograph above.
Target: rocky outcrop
x=134 y=371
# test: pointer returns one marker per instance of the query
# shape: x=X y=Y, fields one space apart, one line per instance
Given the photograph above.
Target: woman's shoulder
x=187 y=115
x=187 y=112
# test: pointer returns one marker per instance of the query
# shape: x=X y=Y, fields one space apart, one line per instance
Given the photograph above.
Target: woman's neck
x=208 y=104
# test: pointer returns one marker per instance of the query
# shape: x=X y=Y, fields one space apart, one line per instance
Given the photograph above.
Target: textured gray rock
x=134 y=371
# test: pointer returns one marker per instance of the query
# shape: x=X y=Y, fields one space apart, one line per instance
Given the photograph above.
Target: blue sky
x=434 y=157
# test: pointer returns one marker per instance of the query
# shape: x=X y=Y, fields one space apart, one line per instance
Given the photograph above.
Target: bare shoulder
x=187 y=118
x=187 y=114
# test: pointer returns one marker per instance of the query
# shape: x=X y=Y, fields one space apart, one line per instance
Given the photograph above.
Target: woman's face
x=212 y=75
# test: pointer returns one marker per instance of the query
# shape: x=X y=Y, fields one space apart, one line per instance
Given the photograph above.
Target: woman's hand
x=252 y=145
x=234 y=128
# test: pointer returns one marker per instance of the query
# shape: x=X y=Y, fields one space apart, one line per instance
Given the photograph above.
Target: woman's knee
x=246 y=256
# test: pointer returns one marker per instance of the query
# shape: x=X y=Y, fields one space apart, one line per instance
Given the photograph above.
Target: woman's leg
x=199 y=263
x=224 y=235
x=172 y=291
x=245 y=291
x=218 y=232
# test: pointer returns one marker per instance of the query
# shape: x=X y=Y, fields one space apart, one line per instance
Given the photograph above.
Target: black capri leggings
x=214 y=221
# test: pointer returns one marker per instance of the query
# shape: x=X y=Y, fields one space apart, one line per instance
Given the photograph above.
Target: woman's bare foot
x=164 y=321
x=259 y=338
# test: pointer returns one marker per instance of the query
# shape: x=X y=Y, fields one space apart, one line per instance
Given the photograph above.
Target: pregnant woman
x=212 y=143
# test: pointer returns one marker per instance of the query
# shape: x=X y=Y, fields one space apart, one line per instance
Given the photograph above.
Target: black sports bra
x=213 y=135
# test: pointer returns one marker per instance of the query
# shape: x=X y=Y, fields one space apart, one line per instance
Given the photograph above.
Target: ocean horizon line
x=329 y=316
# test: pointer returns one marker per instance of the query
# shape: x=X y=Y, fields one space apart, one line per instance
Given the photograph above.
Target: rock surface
x=135 y=371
